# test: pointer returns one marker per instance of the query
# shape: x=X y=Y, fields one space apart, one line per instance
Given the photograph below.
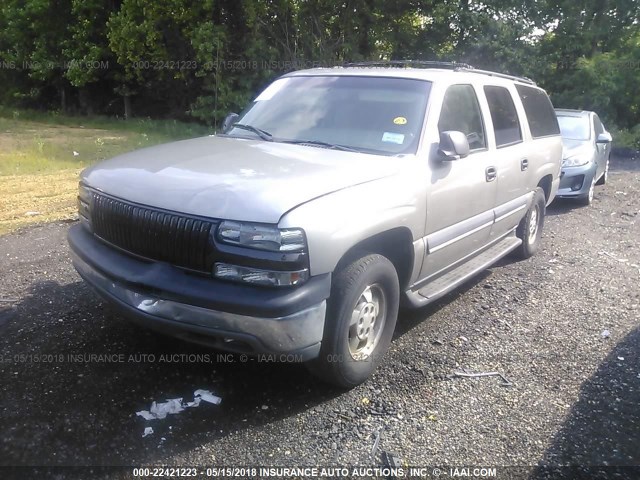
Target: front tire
x=587 y=199
x=530 y=228
x=361 y=318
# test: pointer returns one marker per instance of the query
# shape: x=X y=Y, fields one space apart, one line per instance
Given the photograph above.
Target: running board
x=454 y=278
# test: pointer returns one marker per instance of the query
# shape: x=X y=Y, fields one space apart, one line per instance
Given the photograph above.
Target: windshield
x=368 y=114
x=574 y=128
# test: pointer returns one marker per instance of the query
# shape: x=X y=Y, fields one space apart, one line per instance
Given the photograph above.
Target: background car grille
x=153 y=234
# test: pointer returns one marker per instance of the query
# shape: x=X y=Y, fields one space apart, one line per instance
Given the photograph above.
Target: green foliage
x=205 y=58
x=30 y=38
x=85 y=48
x=590 y=57
x=626 y=138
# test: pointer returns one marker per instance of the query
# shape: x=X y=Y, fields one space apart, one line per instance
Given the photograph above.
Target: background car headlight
x=575 y=161
x=262 y=237
x=258 y=276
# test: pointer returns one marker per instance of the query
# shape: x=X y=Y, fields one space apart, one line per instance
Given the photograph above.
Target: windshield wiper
x=264 y=135
x=319 y=143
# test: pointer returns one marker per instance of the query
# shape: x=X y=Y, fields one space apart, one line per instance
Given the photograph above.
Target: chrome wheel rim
x=591 y=189
x=606 y=170
x=367 y=322
x=533 y=224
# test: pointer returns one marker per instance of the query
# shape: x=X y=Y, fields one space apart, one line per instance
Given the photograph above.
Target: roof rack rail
x=410 y=63
x=500 y=75
x=455 y=66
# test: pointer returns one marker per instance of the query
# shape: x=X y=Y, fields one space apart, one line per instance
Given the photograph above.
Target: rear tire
x=530 y=228
x=361 y=318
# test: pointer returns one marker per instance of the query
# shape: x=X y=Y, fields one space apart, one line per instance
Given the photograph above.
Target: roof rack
x=500 y=75
x=455 y=66
x=410 y=63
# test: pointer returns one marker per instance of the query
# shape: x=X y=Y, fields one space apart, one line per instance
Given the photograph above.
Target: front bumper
x=575 y=181
x=203 y=310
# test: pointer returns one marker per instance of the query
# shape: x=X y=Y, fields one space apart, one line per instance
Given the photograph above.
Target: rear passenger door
x=510 y=159
x=461 y=193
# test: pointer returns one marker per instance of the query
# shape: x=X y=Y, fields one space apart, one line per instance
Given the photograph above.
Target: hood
x=574 y=148
x=233 y=178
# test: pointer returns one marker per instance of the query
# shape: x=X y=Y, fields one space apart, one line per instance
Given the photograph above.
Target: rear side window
x=503 y=116
x=540 y=113
x=461 y=112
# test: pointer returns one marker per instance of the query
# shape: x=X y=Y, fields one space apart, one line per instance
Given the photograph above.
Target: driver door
x=461 y=194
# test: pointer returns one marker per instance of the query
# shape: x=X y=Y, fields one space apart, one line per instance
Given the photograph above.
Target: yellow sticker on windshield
x=400 y=121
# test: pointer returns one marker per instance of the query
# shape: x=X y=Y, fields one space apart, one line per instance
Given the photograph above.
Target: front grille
x=150 y=233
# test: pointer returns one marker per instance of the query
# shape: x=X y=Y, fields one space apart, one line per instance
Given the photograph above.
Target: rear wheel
x=361 y=317
x=530 y=228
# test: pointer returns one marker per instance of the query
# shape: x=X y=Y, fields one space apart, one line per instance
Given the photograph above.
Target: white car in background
x=587 y=148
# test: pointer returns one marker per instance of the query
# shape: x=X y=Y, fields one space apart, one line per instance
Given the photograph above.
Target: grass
x=41 y=155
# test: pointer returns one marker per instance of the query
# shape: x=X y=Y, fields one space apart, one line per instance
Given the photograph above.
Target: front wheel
x=587 y=199
x=530 y=228
x=361 y=317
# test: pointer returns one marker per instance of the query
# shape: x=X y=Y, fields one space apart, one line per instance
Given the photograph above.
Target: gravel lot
x=541 y=323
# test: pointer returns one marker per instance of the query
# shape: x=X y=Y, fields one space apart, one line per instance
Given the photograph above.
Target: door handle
x=490 y=174
x=524 y=164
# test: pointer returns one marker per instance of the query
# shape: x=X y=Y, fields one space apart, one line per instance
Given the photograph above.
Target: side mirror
x=604 y=137
x=453 y=145
x=229 y=121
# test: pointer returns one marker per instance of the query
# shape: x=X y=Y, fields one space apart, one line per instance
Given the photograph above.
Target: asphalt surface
x=562 y=328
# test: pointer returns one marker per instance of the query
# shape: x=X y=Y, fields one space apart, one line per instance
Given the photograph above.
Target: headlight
x=84 y=206
x=83 y=193
x=577 y=161
x=257 y=276
x=262 y=237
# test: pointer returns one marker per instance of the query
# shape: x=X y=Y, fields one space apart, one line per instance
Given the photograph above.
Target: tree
x=203 y=59
x=89 y=61
x=33 y=34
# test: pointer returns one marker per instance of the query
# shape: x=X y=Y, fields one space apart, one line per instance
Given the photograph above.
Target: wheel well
x=545 y=184
x=395 y=244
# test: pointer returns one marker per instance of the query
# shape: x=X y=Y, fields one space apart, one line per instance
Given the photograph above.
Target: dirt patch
x=27 y=199
x=32 y=132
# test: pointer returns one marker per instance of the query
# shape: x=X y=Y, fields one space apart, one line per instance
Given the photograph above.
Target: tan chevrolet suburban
x=335 y=196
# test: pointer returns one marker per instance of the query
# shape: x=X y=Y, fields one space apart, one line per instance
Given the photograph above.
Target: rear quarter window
x=540 y=113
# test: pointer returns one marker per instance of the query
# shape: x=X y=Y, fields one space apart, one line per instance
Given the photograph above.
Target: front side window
x=504 y=116
x=540 y=113
x=377 y=115
x=597 y=124
x=461 y=112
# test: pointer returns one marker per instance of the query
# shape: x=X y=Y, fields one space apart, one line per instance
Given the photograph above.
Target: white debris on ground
x=147 y=431
x=159 y=411
x=207 y=396
x=195 y=403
